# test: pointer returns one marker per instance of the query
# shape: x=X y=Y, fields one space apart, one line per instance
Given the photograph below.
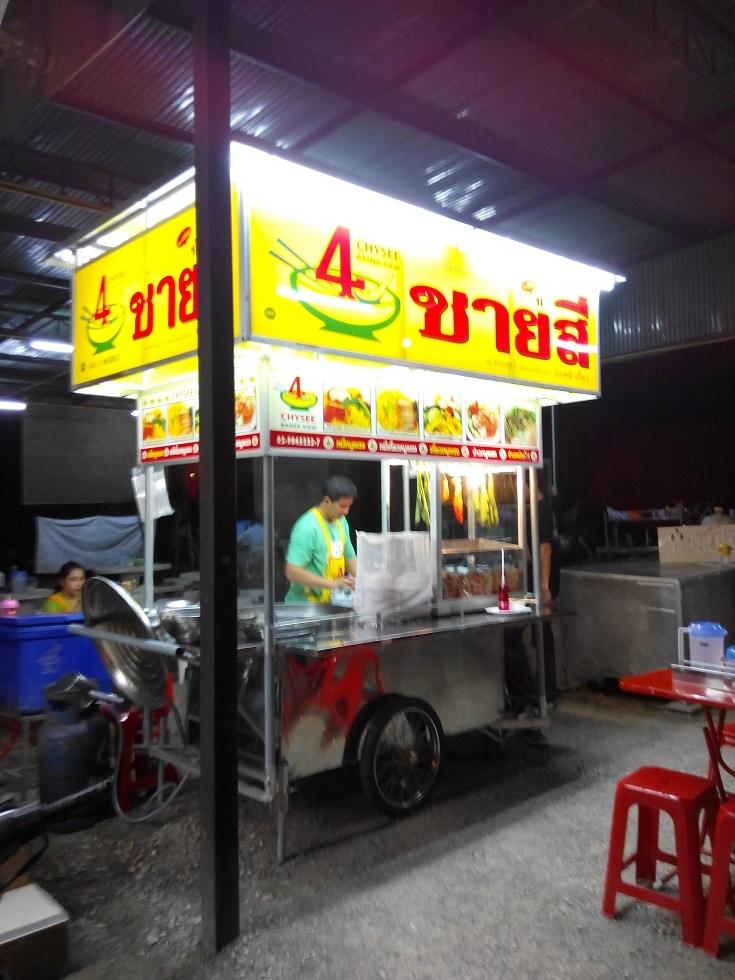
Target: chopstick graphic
x=288 y=262
x=293 y=252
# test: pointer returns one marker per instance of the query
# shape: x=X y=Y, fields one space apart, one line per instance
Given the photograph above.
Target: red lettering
x=532 y=329
x=434 y=304
x=168 y=283
x=339 y=246
x=534 y=334
x=189 y=296
x=102 y=310
x=502 y=321
x=573 y=331
x=142 y=306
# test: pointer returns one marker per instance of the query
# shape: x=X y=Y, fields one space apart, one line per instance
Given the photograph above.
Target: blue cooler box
x=37 y=650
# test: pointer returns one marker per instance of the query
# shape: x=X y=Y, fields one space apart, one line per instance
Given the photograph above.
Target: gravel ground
x=499 y=876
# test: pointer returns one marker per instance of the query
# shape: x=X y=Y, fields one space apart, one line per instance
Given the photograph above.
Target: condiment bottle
x=9 y=607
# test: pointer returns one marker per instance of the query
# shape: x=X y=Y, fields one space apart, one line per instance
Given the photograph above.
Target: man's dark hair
x=339 y=486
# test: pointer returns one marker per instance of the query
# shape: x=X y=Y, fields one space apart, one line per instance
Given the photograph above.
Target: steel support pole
x=218 y=492
x=149 y=538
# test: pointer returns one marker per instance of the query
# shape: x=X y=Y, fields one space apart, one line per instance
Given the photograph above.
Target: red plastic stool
x=685 y=798
x=717 y=920
x=138 y=773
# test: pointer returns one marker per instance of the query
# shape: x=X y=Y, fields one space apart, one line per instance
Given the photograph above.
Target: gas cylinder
x=73 y=747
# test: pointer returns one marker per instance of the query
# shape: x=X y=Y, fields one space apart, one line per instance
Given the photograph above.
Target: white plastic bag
x=395 y=574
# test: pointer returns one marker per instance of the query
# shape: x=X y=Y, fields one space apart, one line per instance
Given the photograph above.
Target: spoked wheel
x=400 y=756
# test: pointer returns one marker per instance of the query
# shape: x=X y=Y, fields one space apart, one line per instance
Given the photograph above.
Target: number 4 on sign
x=339 y=248
x=102 y=310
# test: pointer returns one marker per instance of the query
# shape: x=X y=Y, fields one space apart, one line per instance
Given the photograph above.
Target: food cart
x=368 y=329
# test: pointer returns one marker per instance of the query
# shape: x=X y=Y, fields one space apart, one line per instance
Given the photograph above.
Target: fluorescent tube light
x=54 y=346
x=11 y=405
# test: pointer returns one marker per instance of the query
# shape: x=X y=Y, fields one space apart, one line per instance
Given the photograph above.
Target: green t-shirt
x=308 y=549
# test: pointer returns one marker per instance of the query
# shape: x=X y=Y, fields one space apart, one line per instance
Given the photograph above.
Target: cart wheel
x=400 y=756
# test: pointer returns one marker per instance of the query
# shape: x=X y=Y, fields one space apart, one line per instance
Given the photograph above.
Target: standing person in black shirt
x=521 y=689
x=547 y=560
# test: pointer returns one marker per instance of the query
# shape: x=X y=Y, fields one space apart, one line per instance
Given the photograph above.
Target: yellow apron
x=335 y=558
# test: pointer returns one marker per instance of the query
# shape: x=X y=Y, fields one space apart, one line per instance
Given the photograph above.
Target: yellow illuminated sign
x=334 y=288
x=136 y=305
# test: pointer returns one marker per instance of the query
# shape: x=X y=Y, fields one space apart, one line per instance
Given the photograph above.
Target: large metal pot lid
x=138 y=674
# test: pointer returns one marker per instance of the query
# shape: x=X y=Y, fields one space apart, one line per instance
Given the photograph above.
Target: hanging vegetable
x=493 y=516
x=483 y=504
x=445 y=489
x=422 y=510
x=457 y=501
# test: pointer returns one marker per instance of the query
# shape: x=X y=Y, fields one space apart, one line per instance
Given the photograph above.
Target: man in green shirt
x=320 y=556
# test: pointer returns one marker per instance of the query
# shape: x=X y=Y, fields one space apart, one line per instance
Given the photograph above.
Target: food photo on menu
x=397 y=412
x=483 y=421
x=180 y=420
x=442 y=416
x=154 y=425
x=245 y=408
x=347 y=408
x=520 y=425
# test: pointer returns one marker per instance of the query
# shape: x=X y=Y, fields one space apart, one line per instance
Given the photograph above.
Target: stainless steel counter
x=622 y=618
x=348 y=631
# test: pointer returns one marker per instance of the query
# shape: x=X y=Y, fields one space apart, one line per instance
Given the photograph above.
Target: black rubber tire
x=400 y=757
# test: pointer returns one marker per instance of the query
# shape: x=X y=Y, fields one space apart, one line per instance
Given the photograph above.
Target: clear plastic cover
x=394 y=574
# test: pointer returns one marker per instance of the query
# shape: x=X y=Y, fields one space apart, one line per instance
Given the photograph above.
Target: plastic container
x=9 y=606
x=37 y=650
x=18 y=582
x=706 y=643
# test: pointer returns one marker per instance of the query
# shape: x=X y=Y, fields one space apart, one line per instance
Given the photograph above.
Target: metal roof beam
x=20 y=163
x=40 y=361
x=16 y=188
x=28 y=279
x=45 y=231
x=685 y=28
x=30 y=321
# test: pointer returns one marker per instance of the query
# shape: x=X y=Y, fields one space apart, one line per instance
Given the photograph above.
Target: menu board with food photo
x=521 y=425
x=295 y=400
x=397 y=411
x=347 y=409
x=483 y=420
x=245 y=402
x=153 y=424
x=180 y=419
x=442 y=415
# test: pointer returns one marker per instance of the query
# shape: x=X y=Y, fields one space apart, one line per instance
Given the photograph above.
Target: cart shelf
x=466 y=546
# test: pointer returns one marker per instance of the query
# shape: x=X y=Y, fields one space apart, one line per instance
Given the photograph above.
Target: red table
x=714 y=693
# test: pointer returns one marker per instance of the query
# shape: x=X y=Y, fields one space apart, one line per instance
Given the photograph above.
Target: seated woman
x=67 y=598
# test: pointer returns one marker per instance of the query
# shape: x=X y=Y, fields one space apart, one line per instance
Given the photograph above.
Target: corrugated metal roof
x=23 y=254
x=269 y=106
x=688 y=179
x=623 y=44
x=502 y=82
x=407 y=163
x=584 y=228
x=39 y=209
x=382 y=36
x=673 y=300
x=134 y=155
